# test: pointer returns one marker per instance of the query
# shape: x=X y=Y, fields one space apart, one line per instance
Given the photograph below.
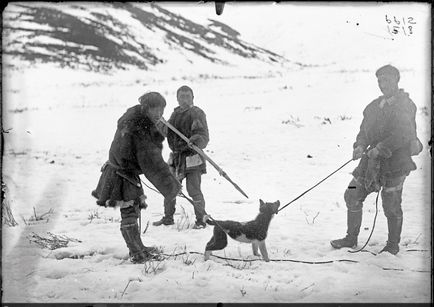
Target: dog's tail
x=206 y=219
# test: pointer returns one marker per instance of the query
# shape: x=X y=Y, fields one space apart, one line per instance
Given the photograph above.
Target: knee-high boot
x=169 y=211
x=394 y=225
x=354 y=221
x=199 y=208
x=130 y=232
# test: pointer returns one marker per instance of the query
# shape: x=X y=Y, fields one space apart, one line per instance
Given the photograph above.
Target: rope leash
x=311 y=188
x=191 y=202
x=289 y=260
x=342 y=166
x=259 y=259
x=308 y=190
x=150 y=188
x=372 y=230
x=300 y=261
x=321 y=181
x=203 y=211
x=298 y=197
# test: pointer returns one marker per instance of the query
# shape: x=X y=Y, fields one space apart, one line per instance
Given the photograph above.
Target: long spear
x=203 y=154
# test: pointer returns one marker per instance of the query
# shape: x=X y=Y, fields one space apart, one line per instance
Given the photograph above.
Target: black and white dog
x=254 y=231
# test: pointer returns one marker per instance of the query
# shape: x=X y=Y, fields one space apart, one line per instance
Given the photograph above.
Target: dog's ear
x=262 y=205
x=277 y=202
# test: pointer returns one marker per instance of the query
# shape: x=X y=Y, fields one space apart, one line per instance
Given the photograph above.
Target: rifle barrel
x=203 y=154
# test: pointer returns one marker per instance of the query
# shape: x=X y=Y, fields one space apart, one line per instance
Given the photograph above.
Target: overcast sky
x=327 y=33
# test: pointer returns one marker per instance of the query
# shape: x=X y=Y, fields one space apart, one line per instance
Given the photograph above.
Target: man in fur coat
x=190 y=120
x=385 y=143
x=136 y=149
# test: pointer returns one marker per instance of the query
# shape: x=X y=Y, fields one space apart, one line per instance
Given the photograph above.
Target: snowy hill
x=71 y=69
x=120 y=35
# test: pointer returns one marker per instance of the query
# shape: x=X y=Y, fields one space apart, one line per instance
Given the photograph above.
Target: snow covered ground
x=275 y=135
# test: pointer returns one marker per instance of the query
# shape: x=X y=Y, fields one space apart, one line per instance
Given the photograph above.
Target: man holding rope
x=385 y=143
x=136 y=149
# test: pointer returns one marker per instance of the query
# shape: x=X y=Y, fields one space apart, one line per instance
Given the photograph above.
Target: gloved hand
x=185 y=147
x=190 y=144
x=357 y=152
x=195 y=139
x=372 y=176
x=373 y=153
x=142 y=202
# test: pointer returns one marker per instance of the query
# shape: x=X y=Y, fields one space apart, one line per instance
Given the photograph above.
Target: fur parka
x=192 y=123
x=136 y=149
x=390 y=126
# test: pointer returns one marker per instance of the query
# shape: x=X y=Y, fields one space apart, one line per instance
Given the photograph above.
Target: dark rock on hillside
x=97 y=41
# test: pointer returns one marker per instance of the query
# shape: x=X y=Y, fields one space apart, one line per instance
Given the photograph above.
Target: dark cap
x=388 y=70
x=152 y=99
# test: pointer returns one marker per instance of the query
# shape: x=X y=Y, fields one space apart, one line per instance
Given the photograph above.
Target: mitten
x=373 y=153
x=357 y=152
x=372 y=176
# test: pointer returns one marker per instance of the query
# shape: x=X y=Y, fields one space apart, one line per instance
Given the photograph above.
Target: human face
x=155 y=113
x=185 y=98
x=388 y=84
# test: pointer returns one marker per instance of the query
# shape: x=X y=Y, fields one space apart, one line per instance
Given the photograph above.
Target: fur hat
x=388 y=70
x=152 y=99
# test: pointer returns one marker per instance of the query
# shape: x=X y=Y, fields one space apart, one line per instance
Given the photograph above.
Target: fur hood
x=135 y=121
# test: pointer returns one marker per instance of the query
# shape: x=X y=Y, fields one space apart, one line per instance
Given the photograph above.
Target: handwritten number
x=410 y=28
x=396 y=28
x=388 y=20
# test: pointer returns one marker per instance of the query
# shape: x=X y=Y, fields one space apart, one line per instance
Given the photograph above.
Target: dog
x=254 y=231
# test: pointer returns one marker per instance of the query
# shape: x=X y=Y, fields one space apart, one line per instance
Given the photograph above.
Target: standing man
x=186 y=163
x=136 y=149
x=385 y=143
